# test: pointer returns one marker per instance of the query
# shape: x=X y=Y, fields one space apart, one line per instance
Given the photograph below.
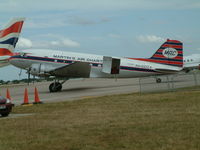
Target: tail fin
x=9 y=36
x=170 y=53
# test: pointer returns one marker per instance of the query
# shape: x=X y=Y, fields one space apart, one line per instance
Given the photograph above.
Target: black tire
x=55 y=87
x=4 y=114
x=186 y=71
x=59 y=87
x=51 y=89
x=158 y=80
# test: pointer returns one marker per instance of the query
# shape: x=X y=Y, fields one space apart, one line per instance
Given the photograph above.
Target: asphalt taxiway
x=72 y=89
x=92 y=87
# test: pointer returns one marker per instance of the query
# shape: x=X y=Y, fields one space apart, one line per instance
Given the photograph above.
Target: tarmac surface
x=93 y=87
x=72 y=89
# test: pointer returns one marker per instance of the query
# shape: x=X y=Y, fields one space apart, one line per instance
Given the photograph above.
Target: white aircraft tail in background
x=8 y=39
x=191 y=62
x=168 y=59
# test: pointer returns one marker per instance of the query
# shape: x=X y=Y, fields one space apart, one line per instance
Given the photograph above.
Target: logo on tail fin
x=170 y=52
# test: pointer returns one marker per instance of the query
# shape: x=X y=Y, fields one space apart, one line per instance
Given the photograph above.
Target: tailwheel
x=158 y=80
x=55 y=87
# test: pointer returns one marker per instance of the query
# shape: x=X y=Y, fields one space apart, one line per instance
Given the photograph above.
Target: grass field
x=164 y=121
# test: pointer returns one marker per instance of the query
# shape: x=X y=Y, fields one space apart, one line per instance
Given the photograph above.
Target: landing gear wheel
x=55 y=87
x=158 y=80
x=4 y=114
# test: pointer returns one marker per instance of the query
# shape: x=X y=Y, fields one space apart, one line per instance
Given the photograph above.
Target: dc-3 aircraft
x=168 y=59
x=8 y=39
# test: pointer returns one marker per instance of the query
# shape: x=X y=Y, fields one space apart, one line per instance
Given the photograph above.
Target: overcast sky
x=133 y=28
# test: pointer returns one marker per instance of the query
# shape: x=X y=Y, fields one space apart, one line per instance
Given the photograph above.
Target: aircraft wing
x=75 y=70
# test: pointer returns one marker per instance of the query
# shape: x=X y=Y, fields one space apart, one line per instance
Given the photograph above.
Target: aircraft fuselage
x=129 y=68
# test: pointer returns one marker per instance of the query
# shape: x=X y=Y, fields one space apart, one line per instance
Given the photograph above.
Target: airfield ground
x=84 y=88
x=72 y=89
x=130 y=121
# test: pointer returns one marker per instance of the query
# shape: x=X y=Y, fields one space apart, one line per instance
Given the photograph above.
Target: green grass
x=165 y=121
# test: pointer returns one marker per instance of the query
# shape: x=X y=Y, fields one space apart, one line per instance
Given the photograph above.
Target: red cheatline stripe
x=15 y=28
x=161 y=56
x=172 y=46
x=159 y=61
x=4 y=51
x=16 y=53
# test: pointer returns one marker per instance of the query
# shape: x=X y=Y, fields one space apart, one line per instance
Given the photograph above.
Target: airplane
x=8 y=39
x=60 y=65
x=191 y=62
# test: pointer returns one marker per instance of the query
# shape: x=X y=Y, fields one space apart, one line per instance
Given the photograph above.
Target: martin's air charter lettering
x=78 y=58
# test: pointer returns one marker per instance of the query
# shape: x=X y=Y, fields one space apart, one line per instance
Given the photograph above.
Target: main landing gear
x=56 y=86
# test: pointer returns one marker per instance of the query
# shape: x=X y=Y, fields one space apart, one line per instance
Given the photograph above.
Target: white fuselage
x=128 y=67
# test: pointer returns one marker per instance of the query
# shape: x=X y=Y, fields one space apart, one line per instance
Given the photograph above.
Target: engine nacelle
x=40 y=69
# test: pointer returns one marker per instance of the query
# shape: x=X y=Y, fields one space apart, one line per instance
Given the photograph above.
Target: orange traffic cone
x=8 y=94
x=25 y=97
x=37 y=99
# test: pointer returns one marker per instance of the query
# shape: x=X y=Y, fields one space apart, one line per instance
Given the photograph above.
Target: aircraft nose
x=12 y=60
x=17 y=61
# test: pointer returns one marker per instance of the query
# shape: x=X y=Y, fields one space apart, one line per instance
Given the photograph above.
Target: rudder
x=10 y=35
x=170 y=53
